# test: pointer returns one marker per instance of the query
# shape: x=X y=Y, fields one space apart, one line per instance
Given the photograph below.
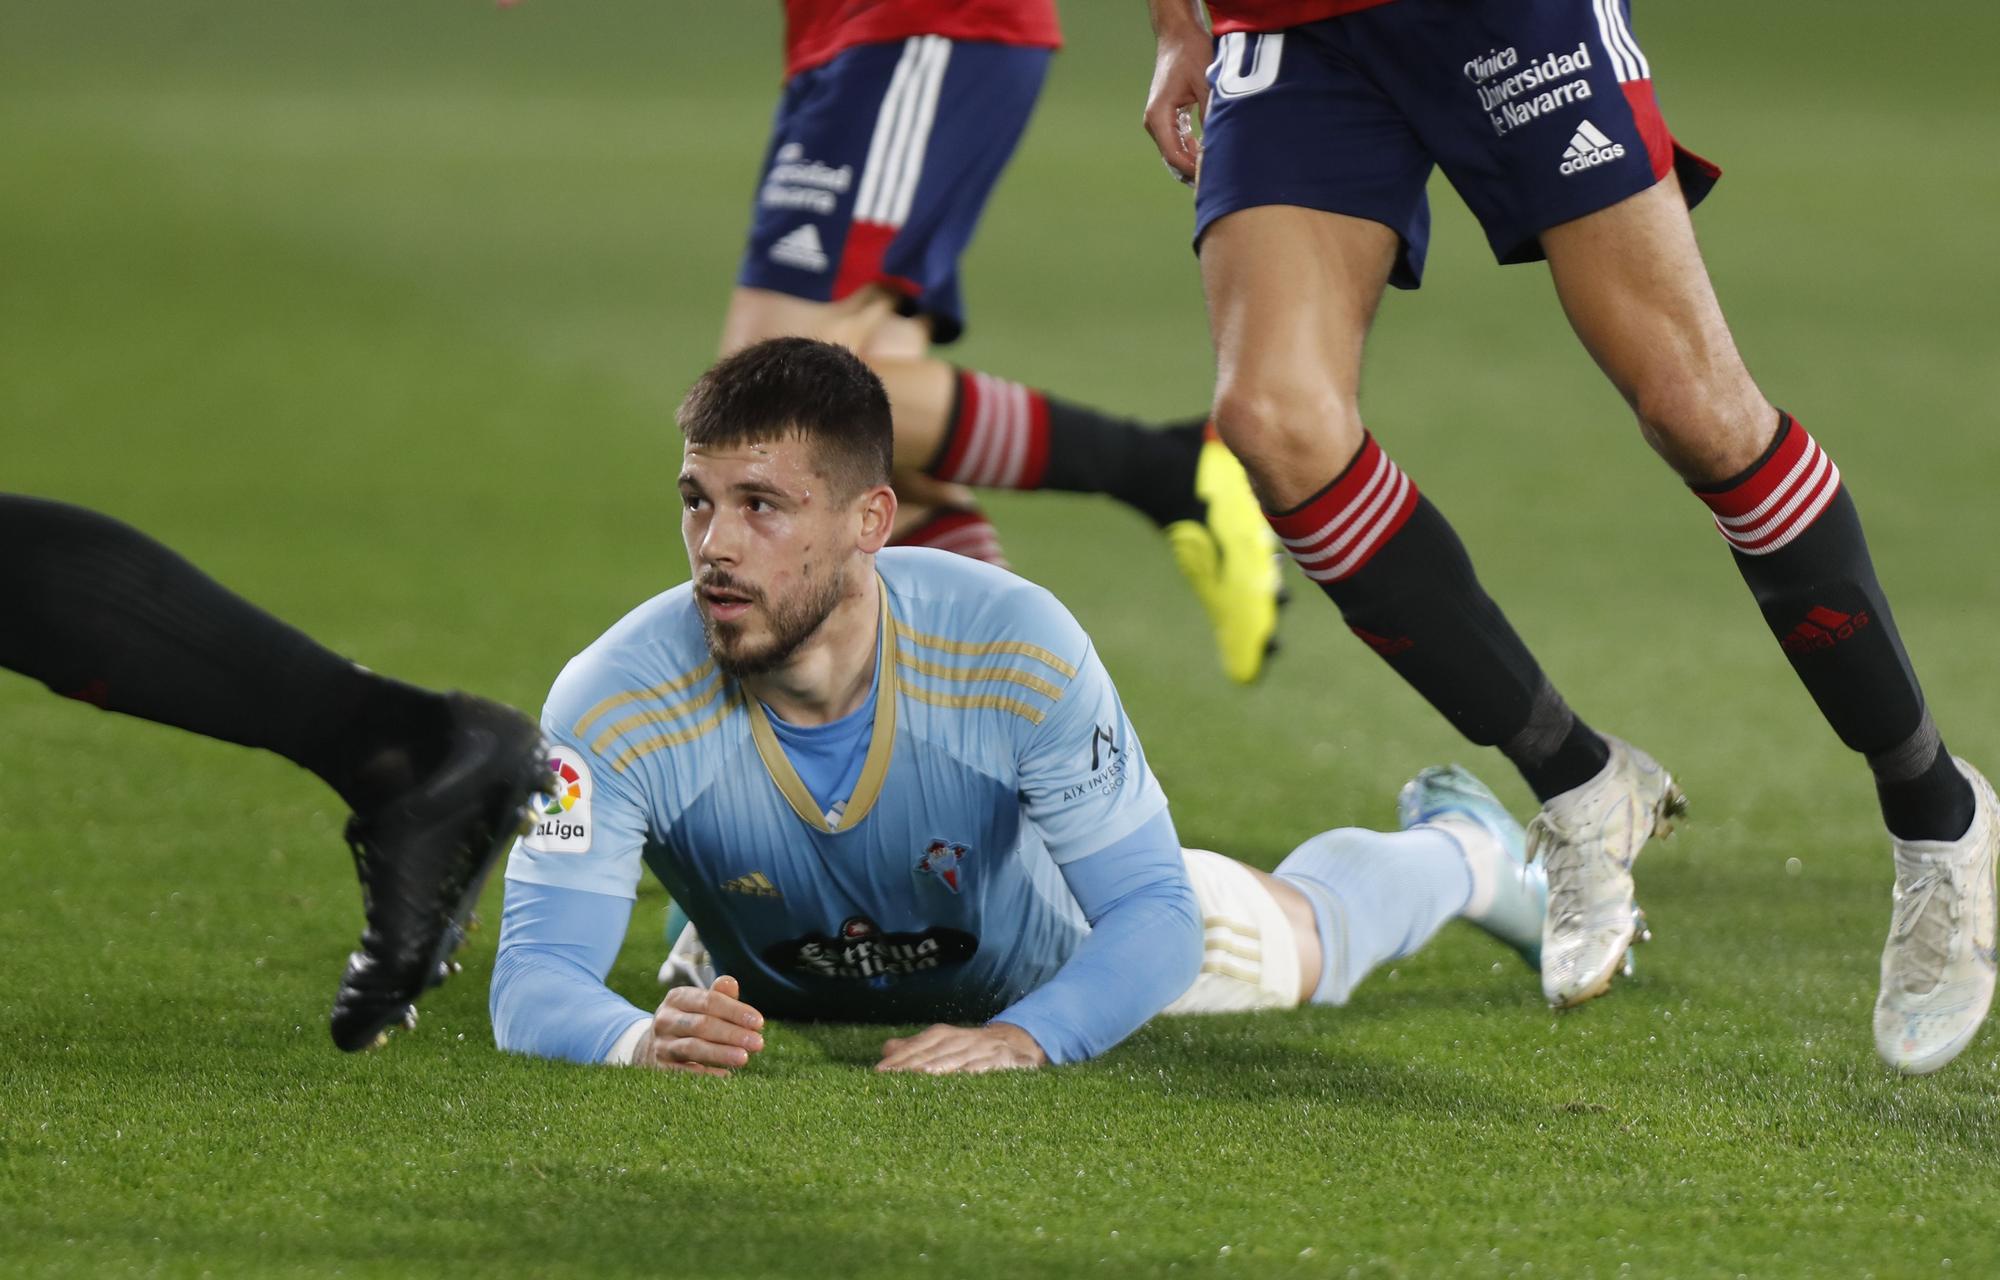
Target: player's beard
x=790 y=623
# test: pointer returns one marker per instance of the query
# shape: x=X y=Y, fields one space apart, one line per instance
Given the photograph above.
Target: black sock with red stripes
x=1798 y=543
x=1004 y=435
x=963 y=531
x=1404 y=584
x=102 y=613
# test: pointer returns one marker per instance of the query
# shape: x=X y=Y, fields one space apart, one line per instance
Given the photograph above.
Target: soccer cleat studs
x=1640 y=933
x=1673 y=811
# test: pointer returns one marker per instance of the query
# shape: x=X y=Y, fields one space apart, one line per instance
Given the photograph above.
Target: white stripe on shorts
x=1616 y=36
x=937 y=53
x=895 y=105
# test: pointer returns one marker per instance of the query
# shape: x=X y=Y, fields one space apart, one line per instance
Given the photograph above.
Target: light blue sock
x=1378 y=895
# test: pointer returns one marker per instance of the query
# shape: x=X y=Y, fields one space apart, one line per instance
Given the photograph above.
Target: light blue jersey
x=942 y=884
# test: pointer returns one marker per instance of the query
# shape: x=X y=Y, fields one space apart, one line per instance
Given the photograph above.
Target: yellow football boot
x=1230 y=558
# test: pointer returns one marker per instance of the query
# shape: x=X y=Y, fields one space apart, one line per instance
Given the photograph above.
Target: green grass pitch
x=378 y=310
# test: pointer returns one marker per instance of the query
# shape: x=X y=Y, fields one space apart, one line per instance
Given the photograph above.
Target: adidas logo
x=800 y=247
x=1384 y=645
x=1823 y=629
x=755 y=885
x=1588 y=148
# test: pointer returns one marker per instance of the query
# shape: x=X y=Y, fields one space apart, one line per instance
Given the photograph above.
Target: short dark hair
x=798 y=388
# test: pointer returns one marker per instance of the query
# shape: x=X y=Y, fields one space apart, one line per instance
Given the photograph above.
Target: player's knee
x=1285 y=428
x=1706 y=427
x=1672 y=406
x=894 y=337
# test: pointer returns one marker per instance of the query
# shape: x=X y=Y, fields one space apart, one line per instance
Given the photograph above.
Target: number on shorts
x=1231 y=80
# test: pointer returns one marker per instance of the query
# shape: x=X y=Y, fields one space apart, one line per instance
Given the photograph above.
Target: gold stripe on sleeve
x=657 y=715
x=679 y=737
x=662 y=690
x=986 y=648
x=975 y=702
x=941 y=671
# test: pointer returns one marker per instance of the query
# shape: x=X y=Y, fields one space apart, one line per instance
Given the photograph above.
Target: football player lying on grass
x=898 y=786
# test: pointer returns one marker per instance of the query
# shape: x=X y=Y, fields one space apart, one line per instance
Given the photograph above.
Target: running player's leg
x=929 y=512
x=1633 y=285
x=882 y=164
x=976 y=429
x=1632 y=282
x=99 y=612
x=1576 y=163
x=1311 y=199
x=1529 y=111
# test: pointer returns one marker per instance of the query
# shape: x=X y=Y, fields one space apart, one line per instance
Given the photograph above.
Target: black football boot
x=423 y=857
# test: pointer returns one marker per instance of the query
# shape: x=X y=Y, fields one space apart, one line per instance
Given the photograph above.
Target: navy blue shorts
x=1538 y=111
x=880 y=163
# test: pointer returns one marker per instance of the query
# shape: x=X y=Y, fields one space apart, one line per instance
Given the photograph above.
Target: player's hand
x=1179 y=96
x=709 y=1032
x=965 y=1051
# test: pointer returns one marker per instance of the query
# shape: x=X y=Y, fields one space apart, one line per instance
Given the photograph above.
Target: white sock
x=1485 y=860
x=1377 y=896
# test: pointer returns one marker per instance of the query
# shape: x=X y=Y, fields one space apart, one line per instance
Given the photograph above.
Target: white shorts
x=1250 y=952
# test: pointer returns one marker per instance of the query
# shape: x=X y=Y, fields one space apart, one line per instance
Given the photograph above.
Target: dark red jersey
x=1276 y=15
x=817 y=30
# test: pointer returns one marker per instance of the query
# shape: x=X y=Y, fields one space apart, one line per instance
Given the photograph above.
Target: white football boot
x=1937 y=967
x=1586 y=840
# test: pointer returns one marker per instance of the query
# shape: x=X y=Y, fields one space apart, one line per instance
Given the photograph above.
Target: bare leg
x=1632 y=282
x=1291 y=293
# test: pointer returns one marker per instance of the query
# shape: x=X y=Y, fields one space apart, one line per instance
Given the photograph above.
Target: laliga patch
x=562 y=819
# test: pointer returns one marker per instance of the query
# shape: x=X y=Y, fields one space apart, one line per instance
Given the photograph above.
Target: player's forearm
x=1143 y=950
x=1136 y=962
x=548 y=1007
x=1175 y=16
x=548 y=997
